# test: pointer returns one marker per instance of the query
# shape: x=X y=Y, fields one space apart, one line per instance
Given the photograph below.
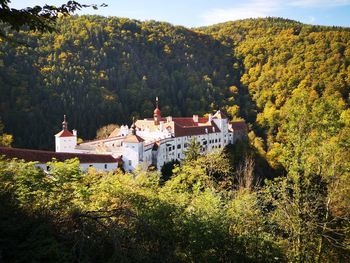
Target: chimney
x=75 y=132
x=195 y=118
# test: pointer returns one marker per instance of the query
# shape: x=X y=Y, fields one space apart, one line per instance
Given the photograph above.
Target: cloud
x=250 y=9
x=318 y=3
x=311 y=19
x=264 y=8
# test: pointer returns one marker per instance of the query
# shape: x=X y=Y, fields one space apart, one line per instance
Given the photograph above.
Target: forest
x=281 y=196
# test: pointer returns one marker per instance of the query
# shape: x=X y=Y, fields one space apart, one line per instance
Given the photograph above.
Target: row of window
x=105 y=166
x=216 y=140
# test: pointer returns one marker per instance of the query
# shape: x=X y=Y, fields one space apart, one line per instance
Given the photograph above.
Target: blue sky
x=194 y=13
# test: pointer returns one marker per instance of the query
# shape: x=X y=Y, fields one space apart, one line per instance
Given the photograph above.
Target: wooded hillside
x=105 y=70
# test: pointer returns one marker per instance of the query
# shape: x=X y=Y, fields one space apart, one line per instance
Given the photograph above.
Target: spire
x=157 y=113
x=133 y=126
x=64 y=123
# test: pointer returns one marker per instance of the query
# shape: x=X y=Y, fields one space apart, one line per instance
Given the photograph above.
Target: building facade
x=101 y=162
x=158 y=140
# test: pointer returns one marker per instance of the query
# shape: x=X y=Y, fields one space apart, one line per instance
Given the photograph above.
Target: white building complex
x=158 y=140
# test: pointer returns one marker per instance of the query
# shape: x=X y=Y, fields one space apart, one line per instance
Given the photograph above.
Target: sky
x=195 y=13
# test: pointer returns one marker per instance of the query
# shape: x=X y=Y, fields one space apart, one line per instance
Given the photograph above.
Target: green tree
x=37 y=18
x=105 y=131
x=192 y=151
x=5 y=139
x=302 y=199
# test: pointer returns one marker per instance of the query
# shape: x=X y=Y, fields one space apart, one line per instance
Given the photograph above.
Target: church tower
x=65 y=140
x=157 y=114
x=132 y=149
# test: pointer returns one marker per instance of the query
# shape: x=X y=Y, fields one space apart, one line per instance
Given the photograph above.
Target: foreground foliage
x=289 y=80
x=200 y=214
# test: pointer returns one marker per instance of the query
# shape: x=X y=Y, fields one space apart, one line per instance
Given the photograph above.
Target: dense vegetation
x=282 y=61
x=105 y=70
x=210 y=210
x=290 y=81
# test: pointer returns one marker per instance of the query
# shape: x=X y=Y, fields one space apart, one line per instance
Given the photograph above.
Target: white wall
x=98 y=166
x=66 y=144
x=132 y=155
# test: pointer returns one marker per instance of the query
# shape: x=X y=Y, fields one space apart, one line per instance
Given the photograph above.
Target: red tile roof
x=195 y=130
x=29 y=155
x=157 y=112
x=64 y=133
x=239 y=126
x=186 y=126
x=189 y=121
x=184 y=121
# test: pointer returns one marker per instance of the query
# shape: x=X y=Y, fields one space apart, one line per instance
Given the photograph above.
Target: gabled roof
x=182 y=121
x=196 y=130
x=29 y=155
x=64 y=133
x=239 y=126
x=114 y=133
x=189 y=121
x=183 y=126
x=133 y=139
x=219 y=115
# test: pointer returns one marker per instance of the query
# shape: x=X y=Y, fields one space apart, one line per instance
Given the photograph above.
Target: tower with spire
x=65 y=140
x=157 y=114
x=132 y=149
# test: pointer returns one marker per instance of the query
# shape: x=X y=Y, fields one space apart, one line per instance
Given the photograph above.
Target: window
x=47 y=168
x=130 y=163
x=105 y=166
x=91 y=165
x=173 y=147
x=179 y=146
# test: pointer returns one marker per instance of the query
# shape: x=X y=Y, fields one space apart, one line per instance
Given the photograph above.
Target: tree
x=301 y=201
x=37 y=17
x=5 y=139
x=192 y=151
x=105 y=131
